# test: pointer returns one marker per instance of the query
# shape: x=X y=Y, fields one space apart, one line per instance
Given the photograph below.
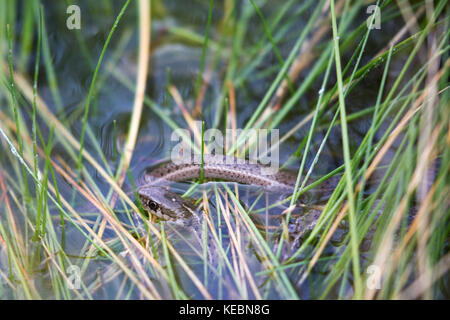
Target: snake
x=158 y=201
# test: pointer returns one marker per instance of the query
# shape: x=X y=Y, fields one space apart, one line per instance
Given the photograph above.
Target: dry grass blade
x=142 y=73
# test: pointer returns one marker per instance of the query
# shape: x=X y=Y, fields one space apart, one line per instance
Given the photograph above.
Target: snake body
x=224 y=168
x=157 y=200
x=164 y=204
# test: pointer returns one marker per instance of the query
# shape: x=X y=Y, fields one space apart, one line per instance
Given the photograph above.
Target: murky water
x=176 y=60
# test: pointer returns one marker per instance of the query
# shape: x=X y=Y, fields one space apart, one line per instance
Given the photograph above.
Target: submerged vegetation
x=357 y=89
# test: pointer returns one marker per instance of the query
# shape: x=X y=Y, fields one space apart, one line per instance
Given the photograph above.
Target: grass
x=58 y=218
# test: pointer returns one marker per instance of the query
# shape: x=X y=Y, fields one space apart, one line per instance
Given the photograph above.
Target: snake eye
x=153 y=205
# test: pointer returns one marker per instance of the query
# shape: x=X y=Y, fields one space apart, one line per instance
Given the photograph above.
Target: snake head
x=165 y=204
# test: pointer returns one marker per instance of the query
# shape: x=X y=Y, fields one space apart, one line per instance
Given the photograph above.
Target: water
x=176 y=60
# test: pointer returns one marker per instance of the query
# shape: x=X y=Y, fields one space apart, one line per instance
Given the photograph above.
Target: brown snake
x=164 y=204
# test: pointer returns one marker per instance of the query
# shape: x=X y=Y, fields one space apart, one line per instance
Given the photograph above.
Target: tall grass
x=398 y=226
